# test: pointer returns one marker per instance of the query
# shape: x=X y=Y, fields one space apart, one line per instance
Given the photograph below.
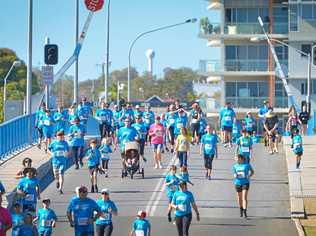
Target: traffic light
x=314 y=55
x=51 y=54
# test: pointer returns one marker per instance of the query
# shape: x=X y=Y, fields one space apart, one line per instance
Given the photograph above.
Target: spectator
x=5 y=219
x=304 y=117
x=27 y=163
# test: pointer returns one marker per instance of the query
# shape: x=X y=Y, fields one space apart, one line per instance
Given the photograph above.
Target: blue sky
x=55 y=18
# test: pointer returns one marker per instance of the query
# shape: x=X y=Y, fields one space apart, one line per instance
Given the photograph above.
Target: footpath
x=302 y=185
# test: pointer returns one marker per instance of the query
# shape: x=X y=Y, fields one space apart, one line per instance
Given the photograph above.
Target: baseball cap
x=137 y=106
x=46 y=199
x=105 y=191
x=141 y=214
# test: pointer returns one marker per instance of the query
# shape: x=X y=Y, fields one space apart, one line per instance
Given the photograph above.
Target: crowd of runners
x=129 y=130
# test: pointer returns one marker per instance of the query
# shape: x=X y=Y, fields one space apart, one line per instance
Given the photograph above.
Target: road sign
x=48 y=75
x=94 y=5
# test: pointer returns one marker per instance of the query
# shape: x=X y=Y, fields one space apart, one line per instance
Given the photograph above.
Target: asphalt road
x=268 y=197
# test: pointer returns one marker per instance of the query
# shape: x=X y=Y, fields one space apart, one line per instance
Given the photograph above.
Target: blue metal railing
x=14 y=135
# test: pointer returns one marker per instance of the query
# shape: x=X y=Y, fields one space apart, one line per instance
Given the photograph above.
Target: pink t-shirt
x=5 y=219
x=157 y=132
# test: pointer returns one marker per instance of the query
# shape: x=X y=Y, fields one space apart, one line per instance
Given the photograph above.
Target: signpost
x=94 y=5
x=48 y=75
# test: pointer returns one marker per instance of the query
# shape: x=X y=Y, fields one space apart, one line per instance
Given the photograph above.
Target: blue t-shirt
x=263 y=110
x=203 y=124
x=83 y=210
x=149 y=118
x=184 y=176
x=297 y=144
x=171 y=118
x=172 y=188
x=83 y=111
x=180 y=122
x=141 y=227
x=2 y=189
x=48 y=121
x=241 y=173
x=17 y=222
x=183 y=201
x=209 y=142
x=45 y=219
x=39 y=118
x=60 y=120
x=104 y=116
x=141 y=129
x=250 y=123
x=138 y=113
x=227 y=116
x=76 y=134
x=126 y=134
x=106 y=218
x=105 y=150
x=93 y=156
x=244 y=146
x=25 y=229
x=59 y=150
x=28 y=186
x=116 y=117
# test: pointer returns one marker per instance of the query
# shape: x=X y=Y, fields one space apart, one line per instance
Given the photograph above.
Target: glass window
x=263 y=52
x=231 y=52
x=293 y=17
x=253 y=15
x=264 y=14
x=263 y=89
x=252 y=52
x=242 y=89
x=228 y=14
x=242 y=52
x=307 y=48
x=307 y=11
x=241 y=15
x=231 y=89
x=253 y=89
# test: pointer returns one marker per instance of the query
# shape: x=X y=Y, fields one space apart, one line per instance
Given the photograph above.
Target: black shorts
x=299 y=153
x=40 y=132
x=239 y=188
x=171 y=133
x=208 y=161
x=92 y=169
x=228 y=128
x=195 y=127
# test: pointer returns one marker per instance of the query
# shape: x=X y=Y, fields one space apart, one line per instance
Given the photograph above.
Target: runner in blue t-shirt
x=28 y=188
x=244 y=146
x=39 y=123
x=105 y=150
x=227 y=117
x=142 y=130
x=242 y=172
x=209 y=149
x=108 y=208
x=17 y=218
x=105 y=117
x=28 y=228
x=60 y=119
x=83 y=111
x=249 y=123
x=59 y=151
x=93 y=156
x=172 y=185
x=81 y=213
x=297 y=144
x=171 y=117
x=183 y=202
x=141 y=226
x=48 y=128
x=46 y=219
x=76 y=141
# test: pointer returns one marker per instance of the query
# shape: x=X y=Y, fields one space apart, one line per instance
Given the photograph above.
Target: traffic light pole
x=308 y=94
x=47 y=86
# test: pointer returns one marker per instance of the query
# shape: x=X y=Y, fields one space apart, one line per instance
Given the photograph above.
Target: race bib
x=179 y=125
x=244 y=149
x=194 y=120
x=82 y=221
x=103 y=118
x=139 y=233
x=46 y=122
x=29 y=197
x=250 y=125
x=173 y=188
x=227 y=118
x=59 y=153
x=78 y=134
x=105 y=216
x=171 y=121
x=208 y=146
x=105 y=157
x=182 y=207
x=46 y=223
x=241 y=175
x=159 y=133
x=82 y=117
x=297 y=145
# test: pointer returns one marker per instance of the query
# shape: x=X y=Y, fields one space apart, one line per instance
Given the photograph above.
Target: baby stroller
x=131 y=161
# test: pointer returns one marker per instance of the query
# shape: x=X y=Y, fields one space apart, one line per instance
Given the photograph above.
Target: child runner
x=17 y=218
x=184 y=175
x=172 y=184
x=297 y=144
x=242 y=173
x=141 y=226
x=93 y=156
x=183 y=146
x=209 y=149
x=28 y=228
x=48 y=128
x=244 y=146
x=105 y=150
x=46 y=219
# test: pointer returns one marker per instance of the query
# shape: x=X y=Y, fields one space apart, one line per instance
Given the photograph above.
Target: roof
x=153 y=98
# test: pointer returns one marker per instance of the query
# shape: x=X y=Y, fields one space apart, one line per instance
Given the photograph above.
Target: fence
x=14 y=136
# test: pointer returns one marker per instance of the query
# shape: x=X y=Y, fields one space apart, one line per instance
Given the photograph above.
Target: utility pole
x=29 y=70
x=76 y=87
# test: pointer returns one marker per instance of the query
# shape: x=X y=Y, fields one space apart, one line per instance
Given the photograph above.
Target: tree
x=16 y=83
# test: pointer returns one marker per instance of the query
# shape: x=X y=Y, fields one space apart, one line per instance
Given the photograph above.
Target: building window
x=293 y=15
x=307 y=12
x=231 y=89
x=303 y=89
x=307 y=48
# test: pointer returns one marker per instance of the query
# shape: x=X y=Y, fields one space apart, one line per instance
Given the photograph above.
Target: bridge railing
x=14 y=135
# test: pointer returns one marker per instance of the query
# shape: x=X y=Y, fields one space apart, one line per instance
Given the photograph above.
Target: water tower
x=150 y=54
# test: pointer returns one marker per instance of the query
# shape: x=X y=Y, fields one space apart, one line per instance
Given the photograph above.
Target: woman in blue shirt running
x=242 y=173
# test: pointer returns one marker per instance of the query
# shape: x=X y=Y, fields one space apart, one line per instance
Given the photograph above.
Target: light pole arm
x=136 y=39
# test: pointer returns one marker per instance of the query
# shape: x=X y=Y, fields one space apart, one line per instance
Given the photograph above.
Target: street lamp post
x=14 y=64
x=133 y=43
x=106 y=78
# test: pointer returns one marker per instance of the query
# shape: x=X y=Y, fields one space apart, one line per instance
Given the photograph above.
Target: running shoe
x=245 y=213
x=276 y=150
x=241 y=212
x=156 y=166
x=160 y=166
x=57 y=185
x=92 y=189
x=96 y=188
x=61 y=191
x=209 y=177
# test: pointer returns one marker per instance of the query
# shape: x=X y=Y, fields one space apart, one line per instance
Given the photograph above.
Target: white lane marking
x=159 y=187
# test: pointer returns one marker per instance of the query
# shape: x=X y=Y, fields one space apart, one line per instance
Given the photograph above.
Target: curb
x=299 y=227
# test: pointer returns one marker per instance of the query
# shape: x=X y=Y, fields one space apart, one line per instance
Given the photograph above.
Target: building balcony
x=256 y=102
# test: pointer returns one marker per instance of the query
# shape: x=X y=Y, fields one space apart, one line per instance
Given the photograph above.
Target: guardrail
x=14 y=136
